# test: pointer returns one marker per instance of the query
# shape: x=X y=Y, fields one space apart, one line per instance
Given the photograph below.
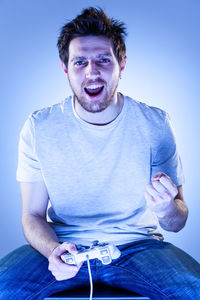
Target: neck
x=104 y=117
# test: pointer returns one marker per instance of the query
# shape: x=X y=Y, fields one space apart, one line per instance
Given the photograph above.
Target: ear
x=122 y=65
x=64 y=67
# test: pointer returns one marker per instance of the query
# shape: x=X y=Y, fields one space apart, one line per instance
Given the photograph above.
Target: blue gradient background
x=163 y=69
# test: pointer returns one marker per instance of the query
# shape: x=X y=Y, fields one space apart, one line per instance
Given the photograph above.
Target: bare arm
x=40 y=234
x=36 y=229
x=166 y=200
x=176 y=219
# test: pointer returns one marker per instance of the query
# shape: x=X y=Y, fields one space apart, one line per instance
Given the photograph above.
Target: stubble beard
x=95 y=106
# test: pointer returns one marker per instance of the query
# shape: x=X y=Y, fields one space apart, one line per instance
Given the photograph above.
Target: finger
x=150 y=200
x=158 y=176
x=153 y=202
x=64 y=275
x=169 y=185
x=153 y=192
x=159 y=187
x=56 y=264
x=65 y=247
x=64 y=272
x=68 y=268
x=55 y=260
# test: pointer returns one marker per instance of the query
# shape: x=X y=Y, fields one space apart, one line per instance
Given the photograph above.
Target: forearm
x=176 y=219
x=39 y=234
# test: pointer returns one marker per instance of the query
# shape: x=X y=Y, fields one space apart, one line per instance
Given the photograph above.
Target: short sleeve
x=166 y=158
x=28 y=169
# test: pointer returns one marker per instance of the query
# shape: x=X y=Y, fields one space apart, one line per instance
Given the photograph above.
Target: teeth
x=94 y=86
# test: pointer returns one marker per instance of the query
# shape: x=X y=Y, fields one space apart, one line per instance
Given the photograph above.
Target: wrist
x=52 y=248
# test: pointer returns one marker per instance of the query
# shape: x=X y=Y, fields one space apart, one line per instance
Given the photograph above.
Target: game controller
x=105 y=252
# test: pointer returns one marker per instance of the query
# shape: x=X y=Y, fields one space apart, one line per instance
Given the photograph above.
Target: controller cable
x=90 y=277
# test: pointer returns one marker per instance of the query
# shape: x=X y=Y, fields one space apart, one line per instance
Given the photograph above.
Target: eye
x=104 y=60
x=79 y=63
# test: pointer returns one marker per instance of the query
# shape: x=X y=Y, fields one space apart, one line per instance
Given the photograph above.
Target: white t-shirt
x=96 y=176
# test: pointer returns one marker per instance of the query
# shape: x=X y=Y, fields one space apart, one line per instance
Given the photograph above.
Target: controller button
x=106 y=259
x=69 y=261
x=103 y=252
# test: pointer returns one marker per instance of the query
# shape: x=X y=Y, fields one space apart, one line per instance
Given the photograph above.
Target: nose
x=92 y=70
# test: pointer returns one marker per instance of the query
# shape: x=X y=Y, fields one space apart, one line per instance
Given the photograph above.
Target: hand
x=160 y=195
x=59 y=269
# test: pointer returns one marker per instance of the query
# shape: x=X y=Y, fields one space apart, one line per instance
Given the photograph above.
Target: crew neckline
x=99 y=127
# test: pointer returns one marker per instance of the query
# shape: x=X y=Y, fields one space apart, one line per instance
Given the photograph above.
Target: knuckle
x=65 y=243
x=49 y=268
x=155 y=183
x=50 y=258
x=149 y=186
x=58 y=278
x=159 y=199
x=54 y=274
x=150 y=189
x=167 y=196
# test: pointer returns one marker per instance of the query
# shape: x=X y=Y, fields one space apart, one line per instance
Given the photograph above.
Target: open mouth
x=94 y=90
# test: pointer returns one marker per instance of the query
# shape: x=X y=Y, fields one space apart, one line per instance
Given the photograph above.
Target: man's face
x=93 y=72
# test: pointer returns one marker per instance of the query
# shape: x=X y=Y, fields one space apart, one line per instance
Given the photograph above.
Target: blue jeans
x=152 y=268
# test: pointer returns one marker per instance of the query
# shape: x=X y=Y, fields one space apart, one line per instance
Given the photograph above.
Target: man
x=110 y=169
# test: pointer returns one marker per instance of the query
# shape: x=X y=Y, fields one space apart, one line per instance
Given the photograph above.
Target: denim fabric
x=152 y=268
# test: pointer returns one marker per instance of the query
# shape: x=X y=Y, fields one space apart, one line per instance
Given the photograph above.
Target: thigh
x=156 y=269
x=24 y=275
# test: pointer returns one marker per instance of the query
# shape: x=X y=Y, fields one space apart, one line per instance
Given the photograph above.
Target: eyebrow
x=84 y=57
x=78 y=58
x=104 y=54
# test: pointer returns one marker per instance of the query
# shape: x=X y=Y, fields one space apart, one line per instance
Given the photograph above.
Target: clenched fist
x=59 y=269
x=160 y=195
